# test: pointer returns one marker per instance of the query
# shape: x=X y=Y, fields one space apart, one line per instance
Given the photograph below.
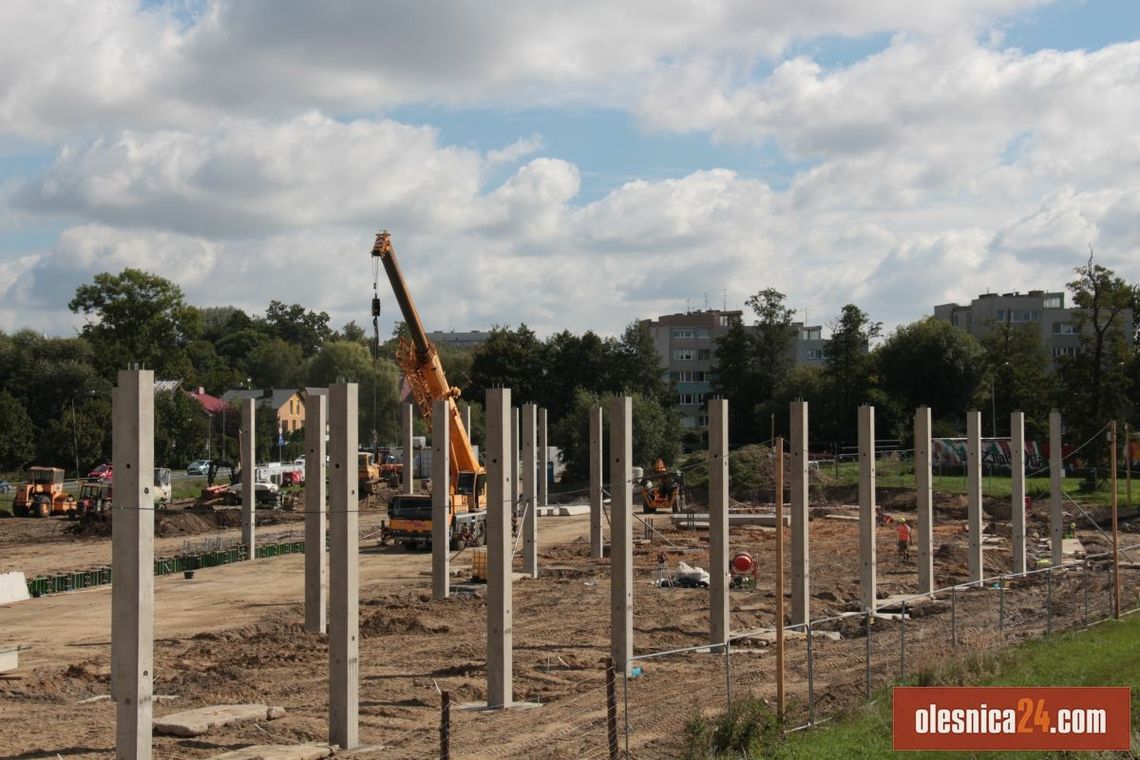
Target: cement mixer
x=744 y=569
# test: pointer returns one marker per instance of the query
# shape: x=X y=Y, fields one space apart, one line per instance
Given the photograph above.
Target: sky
x=567 y=164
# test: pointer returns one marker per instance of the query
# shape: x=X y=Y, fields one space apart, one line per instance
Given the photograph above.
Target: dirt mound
x=389 y=622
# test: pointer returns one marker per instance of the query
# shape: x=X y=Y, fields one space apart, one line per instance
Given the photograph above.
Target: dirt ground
x=234 y=634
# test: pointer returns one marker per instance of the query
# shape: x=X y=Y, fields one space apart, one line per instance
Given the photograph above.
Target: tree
x=276 y=364
x=735 y=380
x=17 y=445
x=847 y=371
x=138 y=318
x=772 y=341
x=509 y=359
x=1017 y=365
x=295 y=324
x=350 y=361
x=637 y=366
x=932 y=363
x=181 y=429
x=1094 y=383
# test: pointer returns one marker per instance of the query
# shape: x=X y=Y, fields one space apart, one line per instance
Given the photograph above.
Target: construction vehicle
x=94 y=498
x=391 y=469
x=663 y=491
x=42 y=494
x=367 y=473
x=409 y=515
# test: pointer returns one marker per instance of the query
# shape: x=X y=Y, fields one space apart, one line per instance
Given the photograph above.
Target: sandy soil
x=235 y=634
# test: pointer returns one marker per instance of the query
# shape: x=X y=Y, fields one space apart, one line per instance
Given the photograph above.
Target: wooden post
x=779 y=444
x=444 y=723
x=1115 y=527
x=1128 y=463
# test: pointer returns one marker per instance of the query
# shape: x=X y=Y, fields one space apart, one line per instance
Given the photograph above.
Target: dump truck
x=409 y=515
x=42 y=494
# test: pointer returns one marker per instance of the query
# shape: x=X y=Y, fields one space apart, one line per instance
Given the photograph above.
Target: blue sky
x=610 y=160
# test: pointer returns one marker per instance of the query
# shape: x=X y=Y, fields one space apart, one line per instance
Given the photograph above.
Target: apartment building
x=1044 y=309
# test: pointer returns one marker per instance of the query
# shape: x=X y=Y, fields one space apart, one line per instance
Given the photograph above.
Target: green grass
x=1106 y=655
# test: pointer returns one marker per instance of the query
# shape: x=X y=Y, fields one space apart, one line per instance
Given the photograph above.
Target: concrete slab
x=13 y=588
x=198 y=722
x=9 y=660
x=569 y=510
x=1072 y=547
x=482 y=706
x=702 y=518
x=278 y=752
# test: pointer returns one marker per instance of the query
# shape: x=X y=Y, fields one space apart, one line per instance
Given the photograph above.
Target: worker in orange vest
x=903 y=532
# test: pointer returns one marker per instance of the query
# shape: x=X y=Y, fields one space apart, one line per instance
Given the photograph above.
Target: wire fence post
x=1085 y=573
x=1049 y=605
x=445 y=726
x=869 y=614
x=625 y=701
x=728 y=671
x=953 y=616
x=1001 y=607
x=810 y=678
x=902 y=642
x=611 y=708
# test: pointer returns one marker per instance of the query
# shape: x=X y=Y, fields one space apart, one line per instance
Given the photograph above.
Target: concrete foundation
x=409 y=469
x=801 y=599
x=344 y=567
x=543 y=461
x=316 y=512
x=530 y=486
x=132 y=563
x=1017 y=488
x=277 y=752
x=974 y=495
x=719 y=607
x=596 y=482
x=13 y=587
x=440 y=499
x=500 y=614
x=621 y=532
x=203 y=719
x=248 y=476
x=867 y=559
x=1056 y=472
x=924 y=512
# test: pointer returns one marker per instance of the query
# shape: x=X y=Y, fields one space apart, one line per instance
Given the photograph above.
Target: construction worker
x=903 y=532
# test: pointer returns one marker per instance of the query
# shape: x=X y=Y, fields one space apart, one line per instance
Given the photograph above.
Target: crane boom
x=420 y=363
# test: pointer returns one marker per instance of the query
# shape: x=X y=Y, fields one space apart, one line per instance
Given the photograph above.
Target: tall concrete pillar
x=867 y=554
x=409 y=473
x=543 y=460
x=720 y=623
x=596 y=482
x=801 y=609
x=1056 y=513
x=924 y=513
x=621 y=531
x=500 y=616
x=974 y=494
x=316 y=554
x=344 y=585
x=132 y=563
x=440 y=499
x=1017 y=488
x=530 y=492
x=248 y=476
x=515 y=457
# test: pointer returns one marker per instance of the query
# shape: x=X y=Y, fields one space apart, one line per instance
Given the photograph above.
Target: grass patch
x=1106 y=655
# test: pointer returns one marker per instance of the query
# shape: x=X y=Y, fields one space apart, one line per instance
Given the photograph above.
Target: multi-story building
x=288 y=405
x=686 y=344
x=464 y=339
x=1059 y=333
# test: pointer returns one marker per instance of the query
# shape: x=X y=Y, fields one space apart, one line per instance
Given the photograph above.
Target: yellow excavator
x=409 y=515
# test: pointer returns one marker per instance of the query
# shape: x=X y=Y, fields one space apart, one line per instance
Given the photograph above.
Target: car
x=102 y=472
x=5 y=486
x=300 y=460
x=198 y=467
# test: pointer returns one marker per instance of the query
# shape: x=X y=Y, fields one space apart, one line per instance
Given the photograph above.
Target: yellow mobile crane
x=409 y=516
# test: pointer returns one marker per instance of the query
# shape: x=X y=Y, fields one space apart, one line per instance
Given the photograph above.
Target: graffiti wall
x=951 y=452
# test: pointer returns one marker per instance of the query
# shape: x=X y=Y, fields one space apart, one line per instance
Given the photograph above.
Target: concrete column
x=1017 y=488
x=132 y=563
x=543 y=460
x=801 y=601
x=514 y=464
x=720 y=622
x=974 y=493
x=621 y=531
x=529 y=500
x=924 y=512
x=596 y=482
x=440 y=499
x=1056 y=513
x=248 y=476
x=867 y=561
x=316 y=555
x=409 y=473
x=500 y=616
x=344 y=586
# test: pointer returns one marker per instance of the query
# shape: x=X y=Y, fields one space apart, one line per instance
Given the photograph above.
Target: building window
x=682 y=332
x=999 y=315
x=815 y=353
x=954 y=319
x=1053 y=301
x=1059 y=351
x=704 y=354
x=810 y=333
x=684 y=354
x=1024 y=315
x=1065 y=328
x=690 y=376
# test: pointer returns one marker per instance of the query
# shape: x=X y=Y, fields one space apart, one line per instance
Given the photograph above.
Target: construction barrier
x=76 y=580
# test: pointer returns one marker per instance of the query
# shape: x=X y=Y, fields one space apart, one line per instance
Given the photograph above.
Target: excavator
x=409 y=515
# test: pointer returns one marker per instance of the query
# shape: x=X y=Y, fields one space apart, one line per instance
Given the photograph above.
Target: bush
x=749 y=728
